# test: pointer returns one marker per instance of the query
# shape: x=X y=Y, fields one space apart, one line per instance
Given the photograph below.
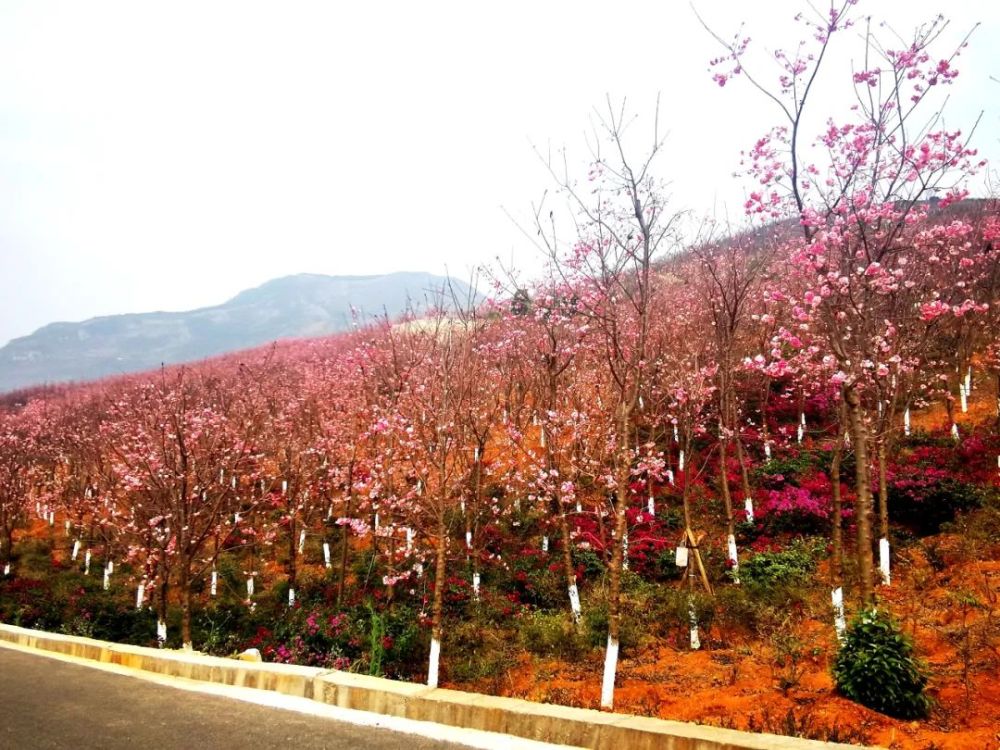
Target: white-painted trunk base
x=734 y=557
x=302 y=541
x=326 y=552
x=468 y=539
x=883 y=561
x=670 y=477
x=767 y=449
x=748 y=508
x=249 y=587
x=475 y=586
x=680 y=461
x=291 y=597
x=76 y=550
x=574 y=602
x=839 y=621
x=545 y=544
x=954 y=431
x=86 y=563
x=693 y=617
x=161 y=633
x=906 y=422
x=651 y=506
x=140 y=595
x=214 y=585
x=432 y=667
x=610 y=668
x=6 y=569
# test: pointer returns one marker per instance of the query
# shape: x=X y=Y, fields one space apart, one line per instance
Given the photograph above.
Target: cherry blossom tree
x=856 y=194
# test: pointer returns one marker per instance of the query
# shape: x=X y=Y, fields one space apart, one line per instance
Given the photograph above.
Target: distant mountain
x=289 y=307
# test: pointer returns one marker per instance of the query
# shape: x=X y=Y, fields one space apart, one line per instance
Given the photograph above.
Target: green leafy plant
x=876 y=667
x=551 y=634
x=376 y=641
x=786 y=567
x=479 y=651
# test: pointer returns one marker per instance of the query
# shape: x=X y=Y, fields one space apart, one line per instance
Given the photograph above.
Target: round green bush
x=876 y=667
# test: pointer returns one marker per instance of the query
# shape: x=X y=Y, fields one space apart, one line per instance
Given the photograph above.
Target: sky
x=165 y=156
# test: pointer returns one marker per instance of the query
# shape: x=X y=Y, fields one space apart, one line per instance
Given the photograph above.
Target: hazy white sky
x=168 y=155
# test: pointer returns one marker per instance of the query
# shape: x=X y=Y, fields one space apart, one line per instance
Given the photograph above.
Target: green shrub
x=790 y=467
x=592 y=563
x=921 y=438
x=924 y=504
x=552 y=634
x=787 y=567
x=739 y=610
x=876 y=667
x=403 y=644
x=665 y=567
x=472 y=652
x=33 y=558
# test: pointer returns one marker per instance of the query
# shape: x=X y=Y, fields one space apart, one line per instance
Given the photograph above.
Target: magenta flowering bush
x=924 y=497
x=791 y=508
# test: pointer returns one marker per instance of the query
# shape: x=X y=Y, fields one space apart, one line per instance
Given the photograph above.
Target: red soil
x=734 y=682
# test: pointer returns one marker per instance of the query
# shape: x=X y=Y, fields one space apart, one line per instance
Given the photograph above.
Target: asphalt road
x=48 y=705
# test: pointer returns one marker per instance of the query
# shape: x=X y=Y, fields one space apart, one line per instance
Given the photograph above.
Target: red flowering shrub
x=804 y=509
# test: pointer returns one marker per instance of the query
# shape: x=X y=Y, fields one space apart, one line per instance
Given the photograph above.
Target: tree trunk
x=614 y=598
x=686 y=491
x=883 y=491
x=744 y=472
x=727 y=498
x=837 y=533
x=293 y=554
x=7 y=543
x=863 y=507
x=567 y=544
x=618 y=557
x=601 y=531
x=185 y=586
x=344 y=546
x=998 y=400
x=437 y=610
x=161 y=608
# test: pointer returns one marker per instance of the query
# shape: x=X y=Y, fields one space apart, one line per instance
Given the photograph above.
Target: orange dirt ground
x=738 y=685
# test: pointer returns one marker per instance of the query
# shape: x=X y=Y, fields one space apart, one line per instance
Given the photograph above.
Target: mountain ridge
x=295 y=306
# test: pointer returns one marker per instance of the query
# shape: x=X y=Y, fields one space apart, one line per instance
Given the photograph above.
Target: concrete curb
x=534 y=721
